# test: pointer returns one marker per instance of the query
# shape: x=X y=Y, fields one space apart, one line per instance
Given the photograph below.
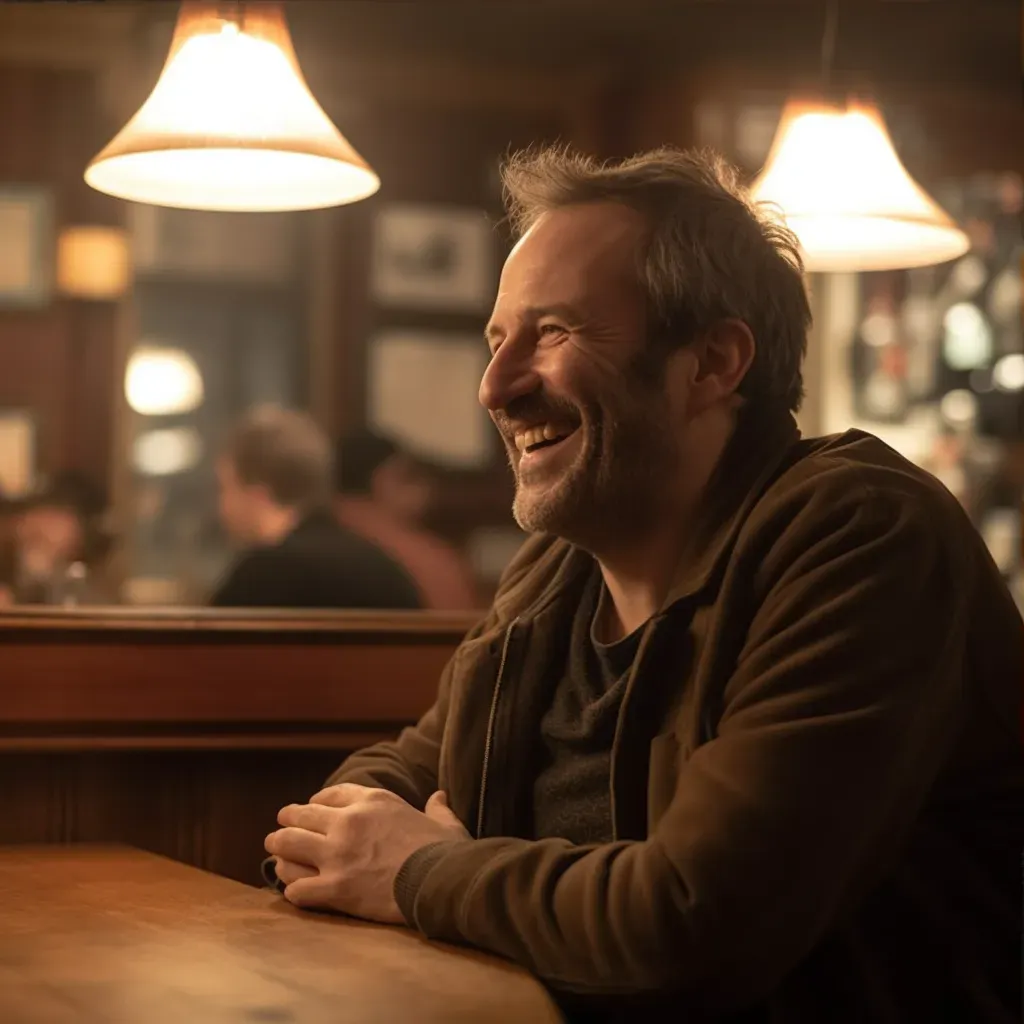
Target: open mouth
x=541 y=439
x=546 y=443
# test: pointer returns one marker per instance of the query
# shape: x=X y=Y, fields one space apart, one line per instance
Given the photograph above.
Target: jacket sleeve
x=408 y=765
x=836 y=718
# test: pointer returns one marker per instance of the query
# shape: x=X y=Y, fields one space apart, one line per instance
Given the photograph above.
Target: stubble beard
x=611 y=488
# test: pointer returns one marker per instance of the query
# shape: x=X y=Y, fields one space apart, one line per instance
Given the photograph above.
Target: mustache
x=531 y=408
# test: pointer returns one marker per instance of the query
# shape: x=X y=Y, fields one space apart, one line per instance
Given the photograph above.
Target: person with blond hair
x=275 y=478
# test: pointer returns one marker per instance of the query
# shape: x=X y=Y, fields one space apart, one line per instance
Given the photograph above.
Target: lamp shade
x=231 y=124
x=843 y=191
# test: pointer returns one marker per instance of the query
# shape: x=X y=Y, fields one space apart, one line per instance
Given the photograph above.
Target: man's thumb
x=437 y=808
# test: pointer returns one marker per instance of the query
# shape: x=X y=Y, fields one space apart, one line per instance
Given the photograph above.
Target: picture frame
x=18 y=453
x=27 y=252
x=436 y=258
x=422 y=390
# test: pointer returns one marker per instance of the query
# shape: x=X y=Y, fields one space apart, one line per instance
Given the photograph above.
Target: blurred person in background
x=275 y=479
x=57 y=546
x=383 y=495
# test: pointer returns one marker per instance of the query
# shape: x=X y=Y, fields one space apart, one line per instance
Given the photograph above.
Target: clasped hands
x=343 y=849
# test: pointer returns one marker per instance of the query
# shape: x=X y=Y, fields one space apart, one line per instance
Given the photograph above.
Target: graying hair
x=284 y=451
x=710 y=254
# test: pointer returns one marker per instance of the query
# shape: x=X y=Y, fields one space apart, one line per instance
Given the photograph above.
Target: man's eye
x=552 y=329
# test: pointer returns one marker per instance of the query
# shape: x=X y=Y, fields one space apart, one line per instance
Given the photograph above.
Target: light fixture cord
x=828 y=41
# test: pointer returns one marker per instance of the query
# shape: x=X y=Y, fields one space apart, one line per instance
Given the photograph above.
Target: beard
x=626 y=455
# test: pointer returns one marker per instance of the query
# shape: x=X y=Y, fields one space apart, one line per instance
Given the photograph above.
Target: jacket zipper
x=489 y=739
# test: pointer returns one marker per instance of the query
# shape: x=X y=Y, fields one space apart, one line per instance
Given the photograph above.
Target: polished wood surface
x=184 y=732
x=94 y=679
x=116 y=936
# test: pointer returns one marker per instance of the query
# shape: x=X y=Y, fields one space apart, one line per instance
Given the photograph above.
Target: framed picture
x=26 y=249
x=422 y=390
x=17 y=453
x=433 y=258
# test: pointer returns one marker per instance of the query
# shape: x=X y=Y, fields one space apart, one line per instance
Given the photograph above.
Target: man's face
x=572 y=386
x=238 y=504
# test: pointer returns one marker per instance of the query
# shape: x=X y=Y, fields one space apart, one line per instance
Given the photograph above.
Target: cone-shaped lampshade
x=231 y=124
x=845 y=194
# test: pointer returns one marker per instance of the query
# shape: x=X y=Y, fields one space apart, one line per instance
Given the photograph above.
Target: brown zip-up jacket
x=817 y=785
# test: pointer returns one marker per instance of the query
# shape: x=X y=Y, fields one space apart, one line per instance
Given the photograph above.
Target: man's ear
x=723 y=356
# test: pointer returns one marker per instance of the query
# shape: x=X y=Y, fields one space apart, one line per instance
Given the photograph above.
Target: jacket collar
x=752 y=458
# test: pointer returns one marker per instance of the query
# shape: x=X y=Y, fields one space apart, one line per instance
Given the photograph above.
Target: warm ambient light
x=162 y=382
x=843 y=191
x=231 y=124
x=93 y=263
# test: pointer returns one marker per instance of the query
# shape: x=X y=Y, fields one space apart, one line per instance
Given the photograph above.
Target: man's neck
x=639 y=579
x=639 y=569
x=276 y=524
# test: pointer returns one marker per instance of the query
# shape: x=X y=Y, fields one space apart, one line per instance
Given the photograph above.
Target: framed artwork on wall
x=26 y=246
x=17 y=453
x=433 y=258
x=422 y=390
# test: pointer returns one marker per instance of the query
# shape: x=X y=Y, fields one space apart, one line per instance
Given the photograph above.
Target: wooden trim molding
x=184 y=732
x=194 y=679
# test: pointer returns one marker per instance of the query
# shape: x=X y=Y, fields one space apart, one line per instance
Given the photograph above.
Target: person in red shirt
x=382 y=495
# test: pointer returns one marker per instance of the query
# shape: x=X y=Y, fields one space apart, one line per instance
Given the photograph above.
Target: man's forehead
x=576 y=249
x=588 y=232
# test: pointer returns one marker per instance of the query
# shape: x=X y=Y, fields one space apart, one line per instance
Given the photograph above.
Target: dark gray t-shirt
x=571 y=798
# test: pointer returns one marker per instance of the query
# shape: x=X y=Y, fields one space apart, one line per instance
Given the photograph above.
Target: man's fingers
x=342 y=795
x=296 y=844
x=311 y=817
x=288 y=871
x=309 y=892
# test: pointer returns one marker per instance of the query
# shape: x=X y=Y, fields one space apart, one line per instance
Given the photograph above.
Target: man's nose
x=510 y=374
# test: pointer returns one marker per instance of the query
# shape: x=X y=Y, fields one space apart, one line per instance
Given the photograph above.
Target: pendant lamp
x=833 y=173
x=231 y=124
x=844 y=193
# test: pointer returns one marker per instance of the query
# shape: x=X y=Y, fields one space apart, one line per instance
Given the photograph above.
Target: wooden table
x=112 y=935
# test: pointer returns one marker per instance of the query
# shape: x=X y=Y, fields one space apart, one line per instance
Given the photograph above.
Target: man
x=738 y=738
x=275 y=481
x=382 y=496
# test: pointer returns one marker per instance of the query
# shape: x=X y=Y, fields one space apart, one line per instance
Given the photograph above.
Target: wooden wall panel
x=56 y=360
x=184 y=735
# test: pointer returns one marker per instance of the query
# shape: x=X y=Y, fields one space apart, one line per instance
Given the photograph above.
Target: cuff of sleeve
x=412 y=873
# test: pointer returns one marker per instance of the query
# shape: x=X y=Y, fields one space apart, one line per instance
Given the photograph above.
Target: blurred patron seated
x=383 y=495
x=56 y=547
x=275 y=477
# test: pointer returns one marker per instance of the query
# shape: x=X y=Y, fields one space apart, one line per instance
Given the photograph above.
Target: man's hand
x=343 y=849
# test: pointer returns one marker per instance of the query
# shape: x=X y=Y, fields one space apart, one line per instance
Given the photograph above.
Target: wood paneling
x=56 y=360
x=184 y=734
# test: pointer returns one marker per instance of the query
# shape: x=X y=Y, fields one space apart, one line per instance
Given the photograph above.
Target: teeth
x=526 y=438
